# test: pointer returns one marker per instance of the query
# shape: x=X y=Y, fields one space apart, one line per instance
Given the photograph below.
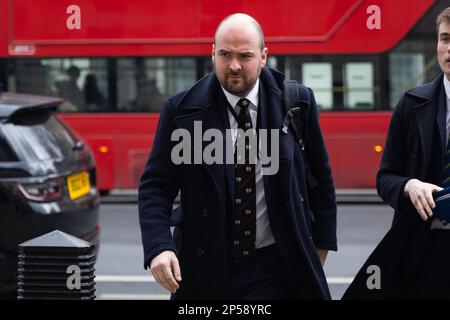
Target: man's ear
x=264 y=57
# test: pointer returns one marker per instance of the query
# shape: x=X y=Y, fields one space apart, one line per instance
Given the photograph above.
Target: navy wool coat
x=301 y=221
x=414 y=149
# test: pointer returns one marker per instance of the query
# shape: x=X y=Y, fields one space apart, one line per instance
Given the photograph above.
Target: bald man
x=241 y=232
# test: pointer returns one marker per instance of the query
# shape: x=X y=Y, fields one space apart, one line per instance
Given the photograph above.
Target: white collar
x=447 y=87
x=252 y=96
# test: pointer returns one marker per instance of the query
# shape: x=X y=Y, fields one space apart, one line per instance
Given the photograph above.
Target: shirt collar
x=253 y=96
x=447 y=87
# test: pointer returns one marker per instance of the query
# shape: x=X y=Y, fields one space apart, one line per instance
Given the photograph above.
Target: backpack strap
x=297 y=106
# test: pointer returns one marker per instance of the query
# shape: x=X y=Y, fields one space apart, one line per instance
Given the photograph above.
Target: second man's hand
x=421 y=196
x=166 y=270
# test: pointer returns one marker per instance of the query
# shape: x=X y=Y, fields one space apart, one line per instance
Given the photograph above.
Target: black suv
x=47 y=179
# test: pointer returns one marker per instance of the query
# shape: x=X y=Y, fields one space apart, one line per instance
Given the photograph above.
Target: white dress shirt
x=264 y=236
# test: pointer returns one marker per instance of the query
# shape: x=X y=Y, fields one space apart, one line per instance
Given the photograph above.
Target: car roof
x=11 y=103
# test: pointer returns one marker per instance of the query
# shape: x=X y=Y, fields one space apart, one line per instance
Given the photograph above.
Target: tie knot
x=243 y=103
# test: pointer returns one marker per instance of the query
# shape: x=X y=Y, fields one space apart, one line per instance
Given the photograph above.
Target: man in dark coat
x=413 y=259
x=295 y=227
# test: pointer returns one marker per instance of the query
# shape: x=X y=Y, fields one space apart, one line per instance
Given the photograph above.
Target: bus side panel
x=121 y=144
x=355 y=141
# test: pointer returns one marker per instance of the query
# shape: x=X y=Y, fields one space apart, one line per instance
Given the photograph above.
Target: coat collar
x=426 y=92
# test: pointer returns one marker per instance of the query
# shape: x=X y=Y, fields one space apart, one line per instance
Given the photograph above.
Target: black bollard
x=56 y=266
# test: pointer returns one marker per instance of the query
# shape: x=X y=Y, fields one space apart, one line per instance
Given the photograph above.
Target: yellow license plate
x=78 y=184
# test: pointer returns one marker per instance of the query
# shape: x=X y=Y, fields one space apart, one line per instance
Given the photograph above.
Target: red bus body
x=351 y=139
x=121 y=142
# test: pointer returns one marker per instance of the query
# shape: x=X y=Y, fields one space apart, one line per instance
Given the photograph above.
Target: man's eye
x=246 y=56
x=224 y=54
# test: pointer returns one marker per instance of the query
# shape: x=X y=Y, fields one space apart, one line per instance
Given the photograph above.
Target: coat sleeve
x=158 y=188
x=322 y=198
x=391 y=178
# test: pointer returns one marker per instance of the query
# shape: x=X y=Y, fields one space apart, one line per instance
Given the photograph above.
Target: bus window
x=207 y=67
x=272 y=62
x=144 y=83
x=358 y=85
x=319 y=77
x=31 y=76
x=81 y=82
x=406 y=71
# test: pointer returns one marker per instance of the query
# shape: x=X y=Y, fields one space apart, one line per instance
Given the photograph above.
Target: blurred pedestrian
x=413 y=259
x=70 y=92
x=94 y=99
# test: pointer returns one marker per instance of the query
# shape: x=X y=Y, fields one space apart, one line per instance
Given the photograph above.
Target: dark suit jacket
x=207 y=192
x=414 y=149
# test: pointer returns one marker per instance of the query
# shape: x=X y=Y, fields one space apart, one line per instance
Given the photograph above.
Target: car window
x=38 y=135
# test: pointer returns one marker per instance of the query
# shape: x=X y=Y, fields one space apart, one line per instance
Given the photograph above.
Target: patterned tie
x=446 y=171
x=244 y=217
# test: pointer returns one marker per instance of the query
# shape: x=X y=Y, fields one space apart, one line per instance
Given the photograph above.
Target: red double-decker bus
x=114 y=62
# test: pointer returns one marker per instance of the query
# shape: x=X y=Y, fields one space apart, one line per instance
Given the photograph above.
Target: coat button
x=200 y=252
x=205 y=213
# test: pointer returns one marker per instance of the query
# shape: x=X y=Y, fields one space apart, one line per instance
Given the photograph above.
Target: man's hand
x=166 y=270
x=421 y=196
x=322 y=255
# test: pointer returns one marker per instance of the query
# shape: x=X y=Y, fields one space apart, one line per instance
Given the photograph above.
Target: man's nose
x=235 y=66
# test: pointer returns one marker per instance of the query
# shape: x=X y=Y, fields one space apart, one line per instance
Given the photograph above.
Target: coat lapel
x=206 y=111
x=272 y=118
x=224 y=124
x=426 y=113
x=262 y=122
x=441 y=119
